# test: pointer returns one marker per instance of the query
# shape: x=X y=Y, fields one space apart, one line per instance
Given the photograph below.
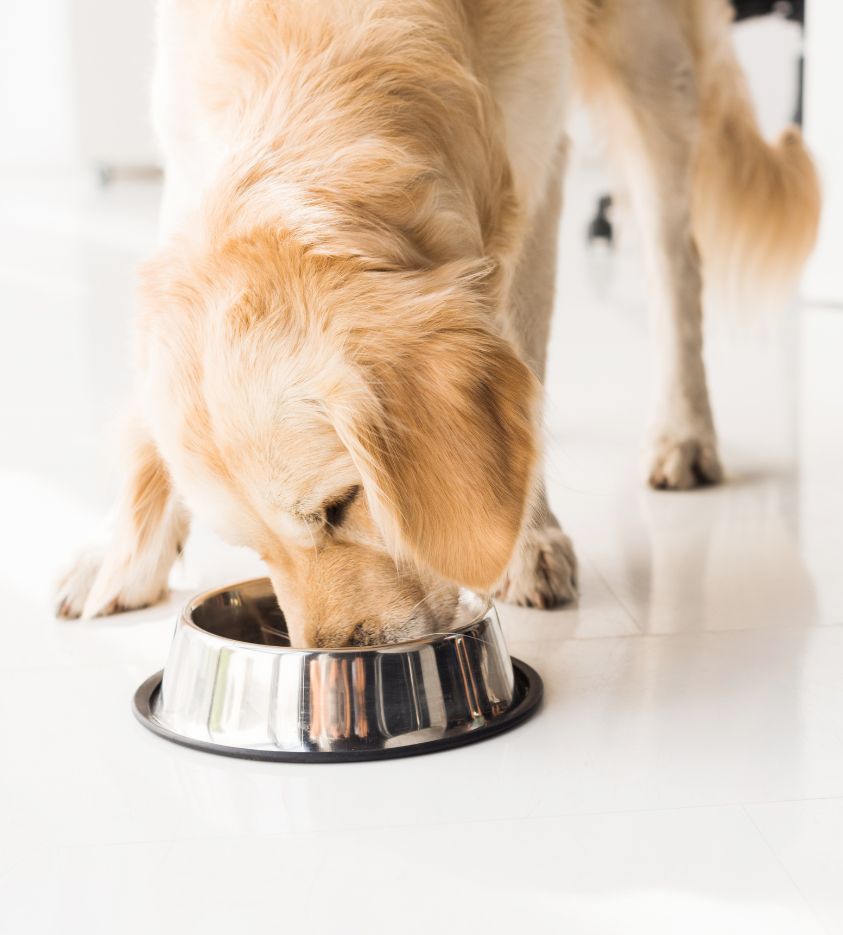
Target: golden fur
x=340 y=337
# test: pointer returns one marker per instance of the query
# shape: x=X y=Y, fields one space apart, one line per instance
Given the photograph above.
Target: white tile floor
x=685 y=774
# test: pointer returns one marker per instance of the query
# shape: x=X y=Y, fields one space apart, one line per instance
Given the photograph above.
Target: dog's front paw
x=684 y=463
x=74 y=584
x=543 y=570
x=94 y=587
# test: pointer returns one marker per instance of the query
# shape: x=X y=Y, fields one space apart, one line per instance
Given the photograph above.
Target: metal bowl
x=233 y=685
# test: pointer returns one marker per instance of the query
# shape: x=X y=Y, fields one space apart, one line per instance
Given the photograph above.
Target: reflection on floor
x=685 y=774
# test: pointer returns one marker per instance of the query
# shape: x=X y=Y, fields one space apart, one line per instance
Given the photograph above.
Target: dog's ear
x=446 y=437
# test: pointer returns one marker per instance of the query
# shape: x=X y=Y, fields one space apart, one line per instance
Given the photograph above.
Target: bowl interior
x=249 y=613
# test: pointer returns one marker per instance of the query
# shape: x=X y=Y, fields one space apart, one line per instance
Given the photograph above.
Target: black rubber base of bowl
x=528 y=695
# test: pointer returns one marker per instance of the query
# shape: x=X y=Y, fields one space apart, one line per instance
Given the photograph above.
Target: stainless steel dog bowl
x=232 y=684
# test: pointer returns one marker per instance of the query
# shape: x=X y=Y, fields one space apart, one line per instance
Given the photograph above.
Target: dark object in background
x=600 y=227
x=789 y=9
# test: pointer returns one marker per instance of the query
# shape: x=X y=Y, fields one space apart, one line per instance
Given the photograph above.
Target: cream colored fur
x=342 y=335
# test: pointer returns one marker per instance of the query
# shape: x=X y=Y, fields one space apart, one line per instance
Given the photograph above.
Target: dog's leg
x=543 y=570
x=655 y=124
x=131 y=567
x=149 y=528
x=683 y=444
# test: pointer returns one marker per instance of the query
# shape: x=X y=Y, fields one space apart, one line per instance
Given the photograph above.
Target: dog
x=341 y=338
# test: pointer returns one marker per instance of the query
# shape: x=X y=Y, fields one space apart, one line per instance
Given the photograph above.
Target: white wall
x=112 y=42
x=37 y=102
x=73 y=83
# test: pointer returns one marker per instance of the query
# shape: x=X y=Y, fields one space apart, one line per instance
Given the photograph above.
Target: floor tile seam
x=781 y=864
x=642 y=635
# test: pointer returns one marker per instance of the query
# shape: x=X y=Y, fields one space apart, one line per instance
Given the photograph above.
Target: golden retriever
x=341 y=339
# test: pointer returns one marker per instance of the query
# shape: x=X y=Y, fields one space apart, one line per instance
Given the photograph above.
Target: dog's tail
x=756 y=205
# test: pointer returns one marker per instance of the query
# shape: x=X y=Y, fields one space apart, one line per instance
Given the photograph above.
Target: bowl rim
x=185 y=618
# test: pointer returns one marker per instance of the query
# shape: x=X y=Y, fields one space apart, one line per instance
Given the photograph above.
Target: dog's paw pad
x=683 y=465
x=543 y=571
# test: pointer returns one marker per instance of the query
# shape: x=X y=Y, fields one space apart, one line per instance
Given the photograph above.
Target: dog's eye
x=336 y=510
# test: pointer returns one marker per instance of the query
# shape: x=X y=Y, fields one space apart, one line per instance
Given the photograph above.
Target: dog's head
x=365 y=431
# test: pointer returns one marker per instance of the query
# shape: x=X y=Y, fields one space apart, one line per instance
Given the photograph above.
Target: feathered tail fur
x=756 y=204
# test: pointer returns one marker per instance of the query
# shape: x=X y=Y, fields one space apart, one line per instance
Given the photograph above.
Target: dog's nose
x=366 y=633
x=378 y=630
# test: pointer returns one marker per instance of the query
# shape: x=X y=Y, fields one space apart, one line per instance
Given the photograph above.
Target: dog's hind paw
x=683 y=465
x=543 y=570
